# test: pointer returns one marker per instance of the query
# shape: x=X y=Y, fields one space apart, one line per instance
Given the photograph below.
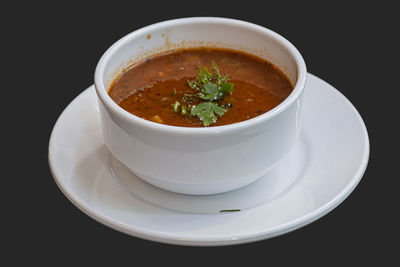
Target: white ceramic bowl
x=200 y=160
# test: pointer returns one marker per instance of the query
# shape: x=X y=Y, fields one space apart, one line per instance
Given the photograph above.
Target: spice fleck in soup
x=200 y=87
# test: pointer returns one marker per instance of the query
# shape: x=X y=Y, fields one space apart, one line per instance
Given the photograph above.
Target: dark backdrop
x=49 y=56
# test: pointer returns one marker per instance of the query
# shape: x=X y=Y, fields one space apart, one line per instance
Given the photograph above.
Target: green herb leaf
x=207 y=112
x=226 y=88
x=210 y=92
x=214 y=67
x=233 y=210
x=176 y=106
x=184 y=110
x=219 y=79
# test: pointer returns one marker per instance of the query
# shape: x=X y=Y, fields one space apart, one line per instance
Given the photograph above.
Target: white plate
x=318 y=174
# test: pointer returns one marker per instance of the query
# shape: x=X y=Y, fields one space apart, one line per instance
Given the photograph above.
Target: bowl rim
x=126 y=116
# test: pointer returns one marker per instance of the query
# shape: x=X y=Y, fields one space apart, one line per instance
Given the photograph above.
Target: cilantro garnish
x=207 y=112
x=209 y=91
x=211 y=86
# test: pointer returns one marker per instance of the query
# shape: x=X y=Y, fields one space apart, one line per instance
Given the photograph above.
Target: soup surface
x=158 y=88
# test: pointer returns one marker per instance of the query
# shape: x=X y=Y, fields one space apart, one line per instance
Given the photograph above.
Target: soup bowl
x=200 y=160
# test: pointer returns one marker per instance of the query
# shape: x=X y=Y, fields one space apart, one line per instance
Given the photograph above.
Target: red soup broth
x=150 y=88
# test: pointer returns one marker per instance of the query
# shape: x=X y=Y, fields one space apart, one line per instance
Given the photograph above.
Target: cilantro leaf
x=226 y=88
x=210 y=92
x=207 y=112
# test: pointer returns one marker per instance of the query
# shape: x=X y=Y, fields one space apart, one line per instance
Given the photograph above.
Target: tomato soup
x=226 y=86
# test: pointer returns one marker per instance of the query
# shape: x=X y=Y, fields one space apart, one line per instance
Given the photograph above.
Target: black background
x=50 y=52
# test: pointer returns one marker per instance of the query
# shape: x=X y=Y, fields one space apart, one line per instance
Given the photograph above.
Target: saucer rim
x=164 y=237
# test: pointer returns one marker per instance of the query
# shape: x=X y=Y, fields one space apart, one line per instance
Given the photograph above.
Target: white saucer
x=318 y=174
